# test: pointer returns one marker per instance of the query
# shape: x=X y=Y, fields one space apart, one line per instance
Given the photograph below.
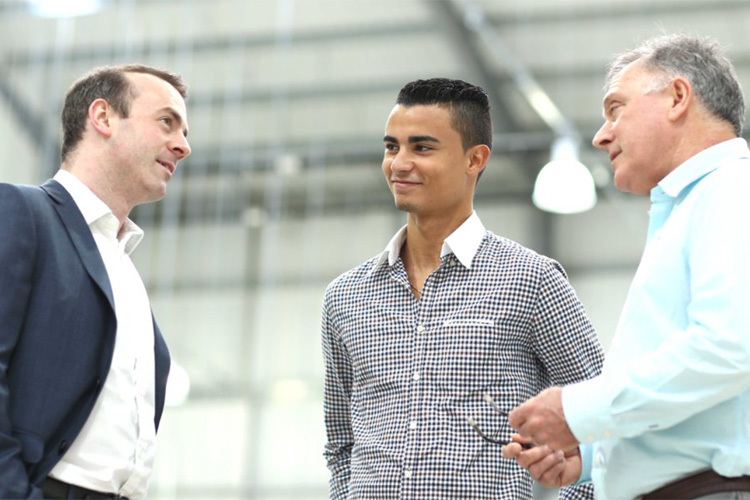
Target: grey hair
x=701 y=61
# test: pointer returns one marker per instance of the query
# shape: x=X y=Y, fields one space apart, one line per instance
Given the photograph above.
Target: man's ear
x=478 y=156
x=681 y=93
x=100 y=114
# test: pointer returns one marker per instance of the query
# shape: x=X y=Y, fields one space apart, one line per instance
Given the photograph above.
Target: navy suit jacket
x=57 y=332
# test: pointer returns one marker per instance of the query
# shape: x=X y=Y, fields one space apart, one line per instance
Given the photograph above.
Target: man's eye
x=390 y=147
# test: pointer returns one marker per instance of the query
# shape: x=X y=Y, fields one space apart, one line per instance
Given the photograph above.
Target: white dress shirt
x=114 y=451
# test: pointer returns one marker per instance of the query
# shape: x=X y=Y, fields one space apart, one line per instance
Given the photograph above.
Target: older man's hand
x=548 y=467
x=542 y=420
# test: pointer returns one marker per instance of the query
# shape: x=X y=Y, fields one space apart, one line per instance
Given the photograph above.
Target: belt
x=698 y=485
x=55 y=489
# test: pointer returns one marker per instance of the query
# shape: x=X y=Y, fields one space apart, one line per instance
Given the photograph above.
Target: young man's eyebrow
x=423 y=138
x=413 y=139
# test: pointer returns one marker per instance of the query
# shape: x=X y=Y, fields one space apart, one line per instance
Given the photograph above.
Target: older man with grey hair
x=670 y=415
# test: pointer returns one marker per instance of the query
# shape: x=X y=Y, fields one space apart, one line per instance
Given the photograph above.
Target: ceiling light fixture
x=564 y=185
x=63 y=8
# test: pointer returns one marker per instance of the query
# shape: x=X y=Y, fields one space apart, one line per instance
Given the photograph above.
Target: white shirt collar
x=96 y=212
x=463 y=243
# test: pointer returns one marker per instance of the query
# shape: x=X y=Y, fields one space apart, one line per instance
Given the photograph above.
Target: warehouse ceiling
x=288 y=98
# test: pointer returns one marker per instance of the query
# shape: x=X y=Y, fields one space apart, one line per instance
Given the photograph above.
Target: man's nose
x=181 y=147
x=603 y=136
x=402 y=161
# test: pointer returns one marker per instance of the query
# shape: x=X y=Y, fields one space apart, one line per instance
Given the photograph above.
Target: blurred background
x=283 y=191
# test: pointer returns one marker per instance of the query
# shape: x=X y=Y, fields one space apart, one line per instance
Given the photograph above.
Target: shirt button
x=599 y=459
x=451 y=263
x=417 y=376
x=590 y=438
x=407 y=473
x=413 y=424
x=420 y=328
x=607 y=433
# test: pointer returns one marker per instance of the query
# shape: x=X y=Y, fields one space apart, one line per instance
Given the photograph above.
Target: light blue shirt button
x=599 y=459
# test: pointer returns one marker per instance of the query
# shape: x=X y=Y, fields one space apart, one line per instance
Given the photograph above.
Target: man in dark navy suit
x=83 y=366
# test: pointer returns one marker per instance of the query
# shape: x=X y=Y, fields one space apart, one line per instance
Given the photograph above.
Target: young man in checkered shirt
x=429 y=342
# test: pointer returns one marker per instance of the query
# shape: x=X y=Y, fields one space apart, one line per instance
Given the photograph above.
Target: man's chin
x=156 y=194
x=632 y=188
x=406 y=206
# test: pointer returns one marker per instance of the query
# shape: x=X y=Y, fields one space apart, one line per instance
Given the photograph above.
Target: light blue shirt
x=674 y=395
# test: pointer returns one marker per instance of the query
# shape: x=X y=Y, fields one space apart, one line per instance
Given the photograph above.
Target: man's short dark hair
x=468 y=104
x=111 y=84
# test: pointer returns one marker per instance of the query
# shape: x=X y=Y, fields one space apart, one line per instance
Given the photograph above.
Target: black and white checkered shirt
x=403 y=374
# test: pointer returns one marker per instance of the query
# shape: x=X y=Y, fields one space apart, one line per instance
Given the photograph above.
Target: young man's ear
x=478 y=156
x=100 y=113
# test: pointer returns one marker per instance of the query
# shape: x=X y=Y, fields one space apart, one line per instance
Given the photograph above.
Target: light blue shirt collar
x=698 y=166
x=678 y=183
x=463 y=243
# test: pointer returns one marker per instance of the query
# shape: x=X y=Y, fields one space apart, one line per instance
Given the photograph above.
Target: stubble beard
x=406 y=206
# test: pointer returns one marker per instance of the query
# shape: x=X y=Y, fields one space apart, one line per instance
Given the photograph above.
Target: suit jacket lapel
x=83 y=241
x=80 y=235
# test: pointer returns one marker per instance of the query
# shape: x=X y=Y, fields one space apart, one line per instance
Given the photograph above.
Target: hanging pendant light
x=64 y=8
x=564 y=185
